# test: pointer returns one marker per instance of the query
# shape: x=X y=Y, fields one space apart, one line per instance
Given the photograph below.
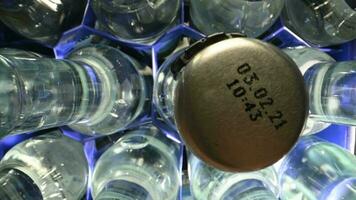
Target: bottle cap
x=240 y=103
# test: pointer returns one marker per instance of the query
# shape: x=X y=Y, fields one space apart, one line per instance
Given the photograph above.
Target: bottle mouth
x=17 y=185
x=243 y=185
x=124 y=190
x=249 y=189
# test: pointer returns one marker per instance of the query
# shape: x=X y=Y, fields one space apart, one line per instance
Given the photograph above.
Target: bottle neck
x=124 y=190
x=17 y=185
x=332 y=95
x=53 y=92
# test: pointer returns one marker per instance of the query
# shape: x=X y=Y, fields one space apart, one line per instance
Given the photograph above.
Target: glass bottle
x=49 y=166
x=43 y=21
x=306 y=57
x=143 y=164
x=140 y=21
x=208 y=183
x=321 y=22
x=331 y=85
x=212 y=91
x=316 y=169
x=251 y=18
x=97 y=90
x=163 y=91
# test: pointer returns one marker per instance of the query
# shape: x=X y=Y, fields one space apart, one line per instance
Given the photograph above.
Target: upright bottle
x=143 y=164
x=43 y=21
x=208 y=183
x=316 y=169
x=321 y=22
x=97 y=91
x=227 y=95
x=251 y=18
x=49 y=166
x=141 y=21
x=331 y=85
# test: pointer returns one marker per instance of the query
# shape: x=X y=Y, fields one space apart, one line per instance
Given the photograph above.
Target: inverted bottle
x=321 y=22
x=99 y=90
x=139 y=20
x=49 y=166
x=212 y=16
x=43 y=21
x=143 y=164
x=316 y=169
x=331 y=86
x=208 y=183
x=227 y=95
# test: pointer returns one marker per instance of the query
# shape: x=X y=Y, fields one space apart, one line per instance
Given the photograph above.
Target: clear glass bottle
x=143 y=164
x=305 y=58
x=331 y=85
x=140 y=21
x=98 y=90
x=163 y=90
x=211 y=91
x=43 y=21
x=49 y=166
x=321 y=22
x=316 y=169
x=186 y=194
x=251 y=18
x=208 y=183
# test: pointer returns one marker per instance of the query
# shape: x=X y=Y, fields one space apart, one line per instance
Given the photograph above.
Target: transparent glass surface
x=322 y=22
x=208 y=183
x=98 y=91
x=163 y=91
x=19 y=53
x=43 y=20
x=142 y=164
x=316 y=169
x=15 y=185
x=250 y=17
x=186 y=194
x=121 y=89
x=137 y=20
x=52 y=164
x=38 y=93
x=305 y=58
x=332 y=92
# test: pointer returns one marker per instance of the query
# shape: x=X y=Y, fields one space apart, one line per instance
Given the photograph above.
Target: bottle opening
x=123 y=190
x=249 y=189
x=17 y=185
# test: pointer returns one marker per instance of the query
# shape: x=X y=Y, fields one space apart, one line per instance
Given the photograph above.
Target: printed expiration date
x=261 y=104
